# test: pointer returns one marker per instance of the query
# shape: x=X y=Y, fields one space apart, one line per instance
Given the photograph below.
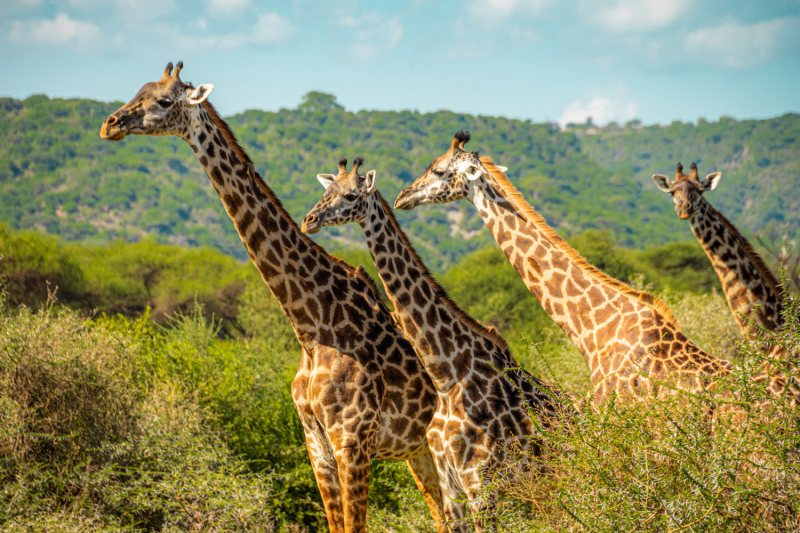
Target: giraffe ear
x=370 y=181
x=473 y=172
x=662 y=182
x=711 y=181
x=199 y=95
x=326 y=179
x=502 y=169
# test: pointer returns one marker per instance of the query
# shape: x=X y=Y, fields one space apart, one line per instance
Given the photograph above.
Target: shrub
x=87 y=445
x=725 y=460
x=29 y=260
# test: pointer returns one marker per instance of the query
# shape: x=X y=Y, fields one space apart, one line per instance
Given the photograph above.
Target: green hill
x=58 y=176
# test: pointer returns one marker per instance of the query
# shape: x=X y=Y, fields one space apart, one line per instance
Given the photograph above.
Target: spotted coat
x=360 y=391
x=486 y=400
x=626 y=336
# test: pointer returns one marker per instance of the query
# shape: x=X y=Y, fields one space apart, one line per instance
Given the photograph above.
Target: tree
x=316 y=101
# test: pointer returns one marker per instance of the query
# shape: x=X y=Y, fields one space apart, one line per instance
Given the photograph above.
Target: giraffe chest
x=387 y=408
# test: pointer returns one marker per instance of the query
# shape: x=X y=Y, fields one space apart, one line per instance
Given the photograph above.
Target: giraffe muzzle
x=406 y=200
x=311 y=224
x=112 y=129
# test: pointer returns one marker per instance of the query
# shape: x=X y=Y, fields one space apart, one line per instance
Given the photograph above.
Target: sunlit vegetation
x=191 y=393
x=58 y=176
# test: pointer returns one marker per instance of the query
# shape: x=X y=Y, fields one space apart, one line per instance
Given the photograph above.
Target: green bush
x=29 y=260
x=89 y=443
x=725 y=460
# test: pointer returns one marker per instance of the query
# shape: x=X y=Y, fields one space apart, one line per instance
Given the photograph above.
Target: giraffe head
x=687 y=190
x=447 y=179
x=159 y=108
x=346 y=198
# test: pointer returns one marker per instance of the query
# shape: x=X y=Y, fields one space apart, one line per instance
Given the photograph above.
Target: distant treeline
x=58 y=176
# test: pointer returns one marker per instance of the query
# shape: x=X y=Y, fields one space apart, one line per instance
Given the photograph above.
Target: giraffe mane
x=230 y=137
x=527 y=211
x=490 y=333
x=754 y=256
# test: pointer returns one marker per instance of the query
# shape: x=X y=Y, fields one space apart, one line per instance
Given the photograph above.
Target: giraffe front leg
x=326 y=473
x=456 y=511
x=483 y=513
x=427 y=478
x=352 y=459
x=323 y=460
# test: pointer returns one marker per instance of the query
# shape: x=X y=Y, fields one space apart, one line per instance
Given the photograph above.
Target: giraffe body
x=485 y=399
x=360 y=390
x=626 y=336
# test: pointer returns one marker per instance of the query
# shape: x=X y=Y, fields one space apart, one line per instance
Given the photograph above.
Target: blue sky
x=557 y=60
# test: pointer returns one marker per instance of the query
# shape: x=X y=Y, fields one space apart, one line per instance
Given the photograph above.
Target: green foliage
x=121 y=277
x=127 y=278
x=86 y=445
x=28 y=260
x=660 y=463
x=58 y=176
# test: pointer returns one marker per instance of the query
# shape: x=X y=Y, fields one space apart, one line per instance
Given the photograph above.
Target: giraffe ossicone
x=360 y=391
x=485 y=400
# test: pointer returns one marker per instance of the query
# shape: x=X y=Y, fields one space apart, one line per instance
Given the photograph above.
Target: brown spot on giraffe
x=344 y=377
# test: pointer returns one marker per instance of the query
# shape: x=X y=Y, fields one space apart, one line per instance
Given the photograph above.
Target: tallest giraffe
x=360 y=390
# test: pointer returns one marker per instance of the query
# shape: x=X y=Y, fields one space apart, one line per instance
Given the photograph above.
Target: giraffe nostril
x=111 y=120
x=310 y=218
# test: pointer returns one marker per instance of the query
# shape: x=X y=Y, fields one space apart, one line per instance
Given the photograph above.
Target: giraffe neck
x=588 y=305
x=442 y=335
x=745 y=279
x=298 y=272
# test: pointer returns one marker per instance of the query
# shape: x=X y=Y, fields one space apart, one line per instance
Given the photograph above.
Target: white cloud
x=62 y=31
x=739 y=46
x=271 y=28
x=633 y=16
x=372 y=35
x=498 y=10
x=602 y=109
x=227 y=7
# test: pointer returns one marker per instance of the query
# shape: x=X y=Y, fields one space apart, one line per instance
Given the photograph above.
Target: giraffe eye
x=352 y=196
x=165 y=103
x=438 y=172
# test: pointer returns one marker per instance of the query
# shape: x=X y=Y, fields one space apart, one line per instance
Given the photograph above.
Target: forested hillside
x=58 y=176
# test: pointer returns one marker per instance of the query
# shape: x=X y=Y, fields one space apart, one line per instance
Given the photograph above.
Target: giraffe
x=752 y=291
x=485 y=399
x=626 y=336
x=360 y=390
